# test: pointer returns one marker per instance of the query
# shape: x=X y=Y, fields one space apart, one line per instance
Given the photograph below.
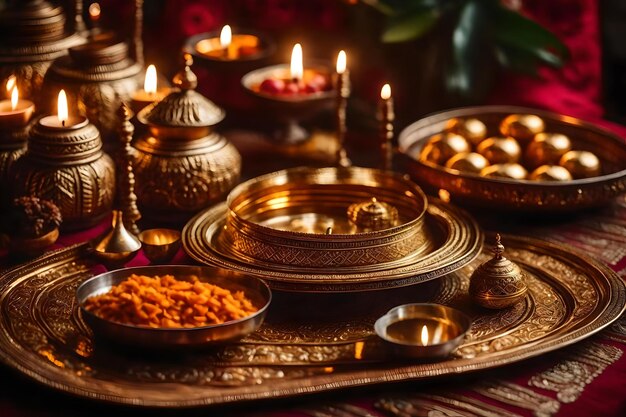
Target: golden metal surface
x=281 y=218
x=125 y=175
x=521 y=195
x=160 y=245
x=42 y=335
x=117 y=246
x=453 y=240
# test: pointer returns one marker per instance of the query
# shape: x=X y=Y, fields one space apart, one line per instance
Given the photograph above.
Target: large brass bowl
x=519 y=195
x=299 y=217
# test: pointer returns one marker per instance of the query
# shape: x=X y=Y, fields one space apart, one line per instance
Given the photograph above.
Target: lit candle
x=297 y=66
x=150 y=93
x=14 y=112
x=343 y=92
x=386 y=116
x=62 y=120
x=94 y=14
x=229 y=46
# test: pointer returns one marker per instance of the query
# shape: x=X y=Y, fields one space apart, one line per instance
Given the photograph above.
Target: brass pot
x=33 y=33
x=33 y=246
x=182 y=165
x=68 y=167
x=96 y=77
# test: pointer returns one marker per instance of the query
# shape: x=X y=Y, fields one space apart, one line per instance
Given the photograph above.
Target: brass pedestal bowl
x=319 y=230
x=513 y=194
x=289 y=110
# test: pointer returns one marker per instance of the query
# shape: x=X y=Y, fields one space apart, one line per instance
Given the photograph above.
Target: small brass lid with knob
x=373 y=215
x=499 y=282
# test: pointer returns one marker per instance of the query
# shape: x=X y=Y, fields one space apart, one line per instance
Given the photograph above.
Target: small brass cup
x=160 y=245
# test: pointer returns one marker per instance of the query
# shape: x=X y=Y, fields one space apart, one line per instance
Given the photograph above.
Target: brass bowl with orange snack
x=173 y=305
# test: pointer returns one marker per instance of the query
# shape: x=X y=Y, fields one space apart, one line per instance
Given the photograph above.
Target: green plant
x=484 y=34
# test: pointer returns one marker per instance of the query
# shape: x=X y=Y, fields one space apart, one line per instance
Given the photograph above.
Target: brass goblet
x=160 y=245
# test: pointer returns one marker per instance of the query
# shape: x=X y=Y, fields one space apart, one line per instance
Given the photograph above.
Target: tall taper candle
x=386 y=117
x=343 y=92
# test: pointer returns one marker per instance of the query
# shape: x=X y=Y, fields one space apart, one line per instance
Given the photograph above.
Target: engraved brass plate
x=302 y=347
x=454 y=240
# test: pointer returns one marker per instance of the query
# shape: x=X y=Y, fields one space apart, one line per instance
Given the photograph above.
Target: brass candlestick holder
x=183 y=165
x=343 y=92
x=126 y=177
x=386 y=116
x=33 y=33
x=67 y=166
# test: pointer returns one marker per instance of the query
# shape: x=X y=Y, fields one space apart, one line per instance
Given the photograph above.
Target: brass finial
x=373 y=215
x=186 y=79
x=498 y=249
x=499 y=282
x=126 y=177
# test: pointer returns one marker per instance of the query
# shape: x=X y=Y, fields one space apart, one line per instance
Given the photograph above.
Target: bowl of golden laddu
x=326 y=218
x=515 y=158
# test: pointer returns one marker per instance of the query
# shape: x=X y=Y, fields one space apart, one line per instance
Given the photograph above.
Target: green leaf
x=472 y=70
x=516 y=31
x=517 y=60
x=410 y=26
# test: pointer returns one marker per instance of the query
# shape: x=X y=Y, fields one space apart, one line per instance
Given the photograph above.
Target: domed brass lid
x=499 y=282
x=31 y=20
x=184 y=107
x=373 y=215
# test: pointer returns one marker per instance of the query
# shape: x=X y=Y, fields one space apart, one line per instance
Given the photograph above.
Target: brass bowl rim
x=177 y=233
x=247 y=82
x=306 y=172
x=405 y=143
x=146 y=270
x=267 y=42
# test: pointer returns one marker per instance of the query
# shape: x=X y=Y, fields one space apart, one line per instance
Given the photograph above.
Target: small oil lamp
x=15 y=113
x=423 y=331
x=65 y=163
x=292 y=92
x=229 y=46
x=150 y=93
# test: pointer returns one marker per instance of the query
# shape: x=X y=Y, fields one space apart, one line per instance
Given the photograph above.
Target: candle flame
x=62 y=112
x=297 y=67
x=385 y=92
x=150 y=83
x=15 y=96
x=94 y=11
x=341 y=62
x=11 y=82
x=424 y=336
x=226 y=36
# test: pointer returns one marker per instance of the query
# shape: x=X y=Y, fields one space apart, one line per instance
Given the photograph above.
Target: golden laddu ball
x=471 y=129
x=468 y=162
x=546 y=149
x=581 y=164
x=550 y=173
x=510 y=171
x=522 y=127
x=444 y=146
x=500 y=150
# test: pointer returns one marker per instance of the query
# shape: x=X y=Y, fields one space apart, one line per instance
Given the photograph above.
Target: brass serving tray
x=519 y=195
x=455 y=239
x=309 y=342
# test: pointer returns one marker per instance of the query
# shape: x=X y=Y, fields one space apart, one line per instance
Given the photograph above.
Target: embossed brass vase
x=33 y=33
x=519 y=194
x=96 y=76
x=68 y=167
x=183 y=165
x=329 y=217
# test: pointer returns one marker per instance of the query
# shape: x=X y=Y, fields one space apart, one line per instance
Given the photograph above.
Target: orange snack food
x=165 y=302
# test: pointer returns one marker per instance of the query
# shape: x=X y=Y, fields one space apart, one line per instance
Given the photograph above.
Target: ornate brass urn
x=183 y=165
x=33 y=33
x=68 y=167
